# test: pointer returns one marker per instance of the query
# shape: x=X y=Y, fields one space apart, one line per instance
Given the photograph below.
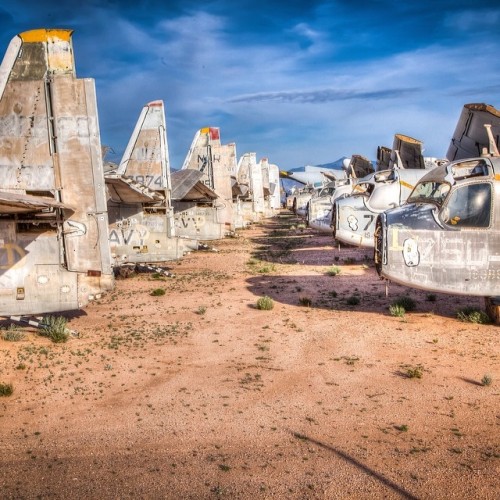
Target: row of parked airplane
x=68 y=219
x=433 y=222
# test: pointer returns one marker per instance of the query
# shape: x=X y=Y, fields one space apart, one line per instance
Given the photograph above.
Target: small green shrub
x=406 y=302
x=470 y=314
x=353 y=300
x=349 y=261
x=54 y=327
x=415 y=372
x=397 y=310
x=333 y=271
x=13 y=334
x=265 y=303
x=6 y=390
x=157 y=292
x=486 y=380
x=305 y=301
x=333 y=294
x=431 y=297
x=158 y=277
x=402 y=428
x=201 y=310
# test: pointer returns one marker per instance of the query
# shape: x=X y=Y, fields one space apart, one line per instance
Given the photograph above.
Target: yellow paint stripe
x=44 y=35
x=406 y=184
x=497 y=177
x=205 y=130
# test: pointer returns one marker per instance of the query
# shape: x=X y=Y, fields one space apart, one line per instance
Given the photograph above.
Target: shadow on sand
x=351 y=460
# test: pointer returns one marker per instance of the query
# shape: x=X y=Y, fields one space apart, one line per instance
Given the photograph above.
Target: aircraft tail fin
x=146 y=157
x=54 y=161
x=406 y=153
x=470 y=136
x=383 y=157
x=359 y=167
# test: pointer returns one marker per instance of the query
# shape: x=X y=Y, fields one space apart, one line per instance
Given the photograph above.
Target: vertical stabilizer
x=146 y=157
x=50 y=147
x=217 y=162
x=250 y=172
x=470 y=136
x=406 y=153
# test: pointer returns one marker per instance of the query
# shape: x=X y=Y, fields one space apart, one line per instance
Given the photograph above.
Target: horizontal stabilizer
x=125 y=190
x=13 y=203
x=187 y=185
x=239 y=189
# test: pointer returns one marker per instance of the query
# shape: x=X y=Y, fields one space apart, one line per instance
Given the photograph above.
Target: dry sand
x=198 y=394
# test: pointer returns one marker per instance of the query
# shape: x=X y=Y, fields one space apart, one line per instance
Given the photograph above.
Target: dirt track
x=198 y=394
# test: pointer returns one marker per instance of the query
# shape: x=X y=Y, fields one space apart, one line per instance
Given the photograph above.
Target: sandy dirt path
x=198 y=394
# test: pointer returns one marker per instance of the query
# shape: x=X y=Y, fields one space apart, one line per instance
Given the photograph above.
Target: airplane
x=313 y=178
x=445 y=238
x=317 y=175
x=217 y=162
x=300 y=198
x=250 y=205
x=54 y=252
x=320 y=206
x=140 y=212
x=353 y=217
x=270 y=180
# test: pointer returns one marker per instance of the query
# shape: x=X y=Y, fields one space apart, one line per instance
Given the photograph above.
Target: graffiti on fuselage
x=203 y=161
x=150 y=181
x=195 y=220
x=136 y=235
x=11 y=256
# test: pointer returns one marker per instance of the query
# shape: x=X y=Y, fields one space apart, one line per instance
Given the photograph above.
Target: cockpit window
x=468 y=206
x=471 y=168
x=430 y=192
x=385 y=176
x=362 y=188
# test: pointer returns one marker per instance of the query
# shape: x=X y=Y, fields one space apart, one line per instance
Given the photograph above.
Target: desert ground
x=199 y=394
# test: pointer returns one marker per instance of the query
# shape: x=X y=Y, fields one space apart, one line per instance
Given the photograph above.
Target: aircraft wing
x=329 y=176
x=126 y=190
x=14 y=203
x=187 y=185
x=313 y=176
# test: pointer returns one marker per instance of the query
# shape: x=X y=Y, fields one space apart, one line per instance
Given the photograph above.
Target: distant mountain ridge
x=337 y=164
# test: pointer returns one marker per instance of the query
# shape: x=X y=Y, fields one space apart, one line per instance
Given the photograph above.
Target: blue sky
x=297 y=82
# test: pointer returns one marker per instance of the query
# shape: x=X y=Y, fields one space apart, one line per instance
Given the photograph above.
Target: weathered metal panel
x=32 y=279
x=200 y=222
x=81 y=174
x=25 y=160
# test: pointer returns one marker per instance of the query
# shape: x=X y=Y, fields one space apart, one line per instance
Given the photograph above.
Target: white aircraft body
x=141 y=216
x=54 y=247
